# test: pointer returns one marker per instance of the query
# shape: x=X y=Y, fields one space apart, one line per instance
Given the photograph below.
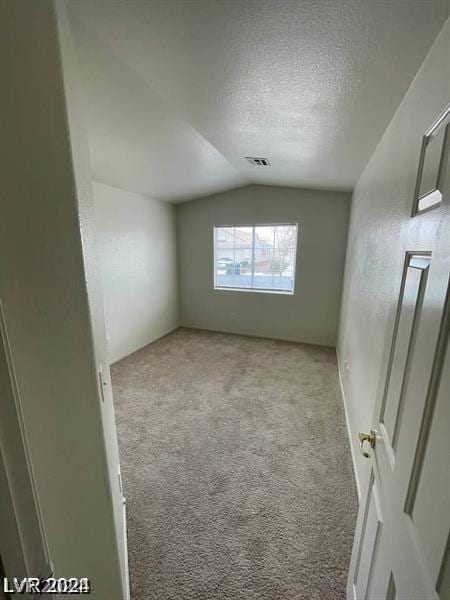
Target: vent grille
x=259 y=162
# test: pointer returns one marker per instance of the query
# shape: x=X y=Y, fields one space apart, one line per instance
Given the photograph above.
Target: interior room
x=227 y=231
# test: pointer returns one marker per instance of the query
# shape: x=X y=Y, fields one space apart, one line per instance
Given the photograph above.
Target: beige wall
x=379 y=229
x=136 y=240
x=311 y=314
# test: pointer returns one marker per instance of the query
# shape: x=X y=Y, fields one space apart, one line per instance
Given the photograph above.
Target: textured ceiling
x=178 y=92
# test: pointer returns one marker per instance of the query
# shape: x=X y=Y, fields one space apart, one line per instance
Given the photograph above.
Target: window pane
x=243 y=237
x=285 y=236
x=273 y=280
x=234 y=276
x=243 y=254
x=289 y=260
x=263 y=280
x=243 y=279
x=256 y=257
x=265 y=233
x=283 y=260
x=225 y=279
x=225 y=235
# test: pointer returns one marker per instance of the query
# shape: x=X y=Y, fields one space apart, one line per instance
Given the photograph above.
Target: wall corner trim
x=349 y=431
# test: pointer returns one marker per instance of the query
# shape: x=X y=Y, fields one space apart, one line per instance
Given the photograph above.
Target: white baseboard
x=258 y=336
x=349 y=431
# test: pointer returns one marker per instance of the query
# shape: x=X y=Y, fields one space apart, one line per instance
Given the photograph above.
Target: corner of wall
x=349 y=430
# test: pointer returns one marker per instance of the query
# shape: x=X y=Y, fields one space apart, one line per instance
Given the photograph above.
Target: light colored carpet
x=236 y=469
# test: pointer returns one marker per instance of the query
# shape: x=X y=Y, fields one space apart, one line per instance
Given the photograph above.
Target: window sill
x=247 y=290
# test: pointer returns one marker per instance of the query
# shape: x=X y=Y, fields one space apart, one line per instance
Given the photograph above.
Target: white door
x=401 y=548
x=402 y=540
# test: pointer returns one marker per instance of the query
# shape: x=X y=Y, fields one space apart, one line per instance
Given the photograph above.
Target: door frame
x=23 y=543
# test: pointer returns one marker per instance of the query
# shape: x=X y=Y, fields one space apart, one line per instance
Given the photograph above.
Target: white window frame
x=252 y=289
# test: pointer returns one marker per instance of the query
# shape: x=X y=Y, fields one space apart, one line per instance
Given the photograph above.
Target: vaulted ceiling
x=178 y=92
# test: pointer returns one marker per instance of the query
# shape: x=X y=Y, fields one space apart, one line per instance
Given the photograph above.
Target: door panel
x=392 y=590
x=429 y=491
x=23 y=544
x=408 y=317
x=373 y=524
x=443 y=585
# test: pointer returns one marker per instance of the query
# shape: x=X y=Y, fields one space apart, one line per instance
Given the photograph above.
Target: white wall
x=312 y=313
x=136 y=239
x=381 y=231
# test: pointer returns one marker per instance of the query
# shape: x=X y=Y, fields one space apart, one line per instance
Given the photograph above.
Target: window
x=255 y=257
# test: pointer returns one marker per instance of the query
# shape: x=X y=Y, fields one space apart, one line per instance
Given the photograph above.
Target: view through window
x=255 y=257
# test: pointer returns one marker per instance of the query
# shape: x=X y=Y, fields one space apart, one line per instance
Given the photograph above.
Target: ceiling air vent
x=260 y=162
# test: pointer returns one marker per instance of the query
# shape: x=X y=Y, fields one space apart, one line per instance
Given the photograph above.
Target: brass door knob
x=367 y=437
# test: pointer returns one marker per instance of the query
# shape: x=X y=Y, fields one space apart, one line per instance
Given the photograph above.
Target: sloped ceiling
x=178 y=92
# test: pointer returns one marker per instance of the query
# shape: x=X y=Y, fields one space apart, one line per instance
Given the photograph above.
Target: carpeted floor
x=236 y=469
